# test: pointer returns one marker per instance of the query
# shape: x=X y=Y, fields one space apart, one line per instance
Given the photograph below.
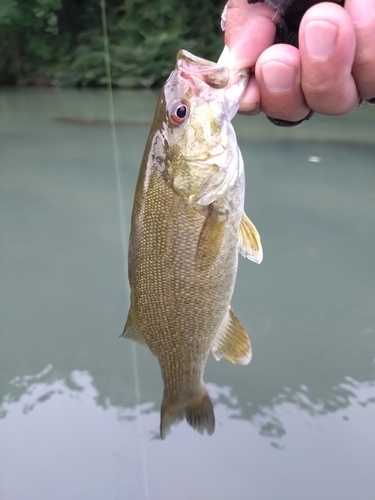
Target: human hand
x=331 y=71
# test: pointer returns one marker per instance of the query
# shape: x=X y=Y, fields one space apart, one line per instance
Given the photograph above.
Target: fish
x=187 y=227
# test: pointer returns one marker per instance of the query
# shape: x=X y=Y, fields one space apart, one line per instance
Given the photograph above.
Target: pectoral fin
x=211 y=236
x=232 y=341
x=250 y=245
x=132 y=330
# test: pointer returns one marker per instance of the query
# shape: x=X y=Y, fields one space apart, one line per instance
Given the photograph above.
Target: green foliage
x=62 y=40
x=28 y=41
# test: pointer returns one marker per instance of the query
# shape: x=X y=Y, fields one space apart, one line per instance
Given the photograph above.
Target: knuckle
x=364 y=60
x=317 y=89
x=364 y=75
x=330 y=100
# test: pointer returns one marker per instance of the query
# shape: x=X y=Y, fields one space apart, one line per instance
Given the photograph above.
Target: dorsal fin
x=232 y=341
x=250 y=245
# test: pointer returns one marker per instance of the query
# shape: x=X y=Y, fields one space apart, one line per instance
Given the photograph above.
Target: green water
x=79 y=407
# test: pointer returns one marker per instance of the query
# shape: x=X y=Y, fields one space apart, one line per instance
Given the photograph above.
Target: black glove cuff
x=285 y=123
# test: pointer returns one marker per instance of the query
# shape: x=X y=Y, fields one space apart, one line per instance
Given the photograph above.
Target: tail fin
x=198 y=411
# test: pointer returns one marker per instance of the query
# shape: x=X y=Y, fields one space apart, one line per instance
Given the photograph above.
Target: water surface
x=79 y=407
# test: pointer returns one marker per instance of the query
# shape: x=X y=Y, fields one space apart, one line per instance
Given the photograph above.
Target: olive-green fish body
x=188 y=225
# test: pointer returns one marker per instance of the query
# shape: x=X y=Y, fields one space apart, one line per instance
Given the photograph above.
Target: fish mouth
x=189 y=65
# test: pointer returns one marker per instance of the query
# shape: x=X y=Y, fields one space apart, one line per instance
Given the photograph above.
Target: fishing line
x=116 y=158
x=116 y=153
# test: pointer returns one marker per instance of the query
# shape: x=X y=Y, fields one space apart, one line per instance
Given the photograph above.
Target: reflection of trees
x=265 y=417
x=36 y=389
x=32 y=390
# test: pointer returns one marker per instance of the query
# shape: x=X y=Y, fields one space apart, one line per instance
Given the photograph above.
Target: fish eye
x=178 y=112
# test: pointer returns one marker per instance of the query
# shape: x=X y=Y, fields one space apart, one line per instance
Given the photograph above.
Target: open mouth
x=192 y=67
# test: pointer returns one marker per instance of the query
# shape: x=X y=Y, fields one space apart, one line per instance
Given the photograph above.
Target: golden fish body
x=188 y=225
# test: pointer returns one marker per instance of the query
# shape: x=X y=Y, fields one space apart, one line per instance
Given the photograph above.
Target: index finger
x=249 y=30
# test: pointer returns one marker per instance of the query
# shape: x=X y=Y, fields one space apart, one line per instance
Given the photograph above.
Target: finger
x=362 y=13
x=327 y=45
x=278 y=74
x=249 y=30
x=250 y=101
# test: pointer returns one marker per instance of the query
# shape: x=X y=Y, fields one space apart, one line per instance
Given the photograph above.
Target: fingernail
x=278 y=77
x=320 y=38
x=361 y=11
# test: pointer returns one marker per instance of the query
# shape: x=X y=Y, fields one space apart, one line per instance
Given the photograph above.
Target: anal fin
x=132 y=330
x=250 y=245
x=232 y=341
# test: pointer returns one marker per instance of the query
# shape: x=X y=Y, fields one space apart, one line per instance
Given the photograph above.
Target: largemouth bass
x=188 y=224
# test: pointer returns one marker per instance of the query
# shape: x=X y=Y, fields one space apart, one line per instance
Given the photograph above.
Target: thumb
x=249 y=30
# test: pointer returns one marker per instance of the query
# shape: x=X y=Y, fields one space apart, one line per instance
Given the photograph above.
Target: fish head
x=200 y=146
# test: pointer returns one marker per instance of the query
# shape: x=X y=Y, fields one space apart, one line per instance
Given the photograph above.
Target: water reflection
x=65 y=427
x=29 y=391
